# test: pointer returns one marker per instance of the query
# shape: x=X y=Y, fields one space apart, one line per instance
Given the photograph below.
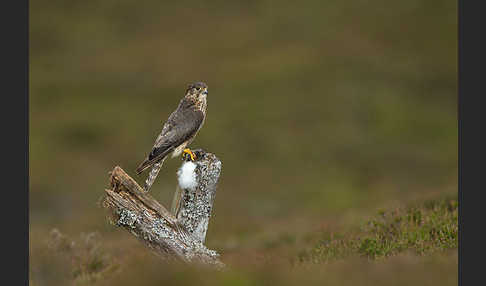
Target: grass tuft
x=420 y=229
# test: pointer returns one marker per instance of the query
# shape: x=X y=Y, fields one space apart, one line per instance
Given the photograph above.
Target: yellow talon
x=188 y=151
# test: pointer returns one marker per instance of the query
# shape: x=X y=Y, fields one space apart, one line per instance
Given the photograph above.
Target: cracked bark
x=174 y=236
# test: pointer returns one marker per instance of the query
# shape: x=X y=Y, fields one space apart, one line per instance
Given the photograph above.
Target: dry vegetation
x=425 y=234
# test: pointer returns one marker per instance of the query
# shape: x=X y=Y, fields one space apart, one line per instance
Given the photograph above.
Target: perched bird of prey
x=178 y=132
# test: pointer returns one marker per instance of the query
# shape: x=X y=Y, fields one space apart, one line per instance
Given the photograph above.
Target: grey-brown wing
x=180 y=127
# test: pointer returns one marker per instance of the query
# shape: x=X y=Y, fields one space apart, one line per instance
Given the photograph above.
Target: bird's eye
x=198 y=88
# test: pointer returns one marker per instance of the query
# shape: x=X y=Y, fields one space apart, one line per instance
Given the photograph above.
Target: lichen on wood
x=178 y=236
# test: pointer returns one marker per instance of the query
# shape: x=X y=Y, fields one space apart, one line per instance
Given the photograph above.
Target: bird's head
x=197 y=90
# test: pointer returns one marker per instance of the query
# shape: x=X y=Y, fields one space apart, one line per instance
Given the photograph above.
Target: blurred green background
x=321 y=112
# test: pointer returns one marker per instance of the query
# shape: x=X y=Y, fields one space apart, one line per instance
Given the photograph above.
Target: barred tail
x=153 y=174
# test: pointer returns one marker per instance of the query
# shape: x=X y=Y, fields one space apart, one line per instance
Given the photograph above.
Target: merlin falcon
x=178 y=132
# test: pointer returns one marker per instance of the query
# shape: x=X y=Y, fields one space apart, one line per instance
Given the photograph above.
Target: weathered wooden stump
x=178 y=235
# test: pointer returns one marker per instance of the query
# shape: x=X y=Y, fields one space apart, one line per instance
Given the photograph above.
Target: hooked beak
x=205 y=92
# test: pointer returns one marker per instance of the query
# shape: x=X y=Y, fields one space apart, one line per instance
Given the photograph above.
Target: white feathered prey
x=186 y=176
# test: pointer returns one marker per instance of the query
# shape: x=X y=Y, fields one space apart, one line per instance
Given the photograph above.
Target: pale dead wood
x=170 y=237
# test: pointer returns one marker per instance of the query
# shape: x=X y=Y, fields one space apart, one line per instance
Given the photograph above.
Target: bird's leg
x=190 y=153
